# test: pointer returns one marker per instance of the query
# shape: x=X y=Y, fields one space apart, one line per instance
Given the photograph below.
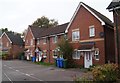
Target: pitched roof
x=103 y=19
x=37 y=31
x=55 y=30
x=114 y=4
x=42 y=32
x=15 y=38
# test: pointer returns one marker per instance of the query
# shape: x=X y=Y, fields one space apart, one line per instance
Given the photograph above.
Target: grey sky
x=16 y=15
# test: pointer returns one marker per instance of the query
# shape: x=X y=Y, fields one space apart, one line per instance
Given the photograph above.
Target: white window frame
x=75 y=35
x=44 y=41
x=45 y=54
x=55 y=39
x=31 y=42
x=91 y=31
x=27 y=41
x=55 y=53
x=38 y=41
x=96 y=54
x=77 y=54
x=7 y=44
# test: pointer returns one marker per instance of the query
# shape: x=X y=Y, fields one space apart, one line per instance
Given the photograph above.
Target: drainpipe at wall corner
x=117 y=39
x=49 y=49
x=35 y=47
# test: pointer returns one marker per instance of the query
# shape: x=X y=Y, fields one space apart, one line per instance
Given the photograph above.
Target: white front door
x=88 y=59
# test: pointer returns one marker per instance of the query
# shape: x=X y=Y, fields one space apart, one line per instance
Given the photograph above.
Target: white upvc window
x=55 y=39
x=45 y=54
x=31 y=42
x=76 y=54
x=55 y=53
x=75 y=35
x=96 y=55
x=91 y=31
x=27 y=41
x=44 y=40
x=38 y=41
x=7 y=44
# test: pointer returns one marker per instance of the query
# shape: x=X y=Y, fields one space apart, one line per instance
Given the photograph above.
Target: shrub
x=107 y=72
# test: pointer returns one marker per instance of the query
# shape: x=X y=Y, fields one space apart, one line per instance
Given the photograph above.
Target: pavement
x=26 y=71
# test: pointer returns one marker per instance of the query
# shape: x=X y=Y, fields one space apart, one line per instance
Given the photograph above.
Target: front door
x=88 y=59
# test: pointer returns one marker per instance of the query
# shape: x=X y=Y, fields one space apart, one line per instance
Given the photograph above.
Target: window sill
x=44 y=43
x=76 y=58
x=97 y=59
x=91 y=36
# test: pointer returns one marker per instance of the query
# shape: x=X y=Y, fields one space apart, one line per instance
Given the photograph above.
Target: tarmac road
x=24 y=71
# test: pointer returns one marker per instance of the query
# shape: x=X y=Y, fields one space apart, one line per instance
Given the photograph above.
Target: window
x=31 y=43
x=55 y=53
x=75 y=35
x=27 y=41
x=91 y=31
x=0 y=44
x=55 y=38
x=76 y=55
x=44 y=41
x=97 y=54
x=65 y=36
x=38 y=41
x=45 y=54
x=7 y=44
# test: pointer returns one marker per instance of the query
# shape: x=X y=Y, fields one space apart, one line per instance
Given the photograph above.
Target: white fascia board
x=102 y=22
x=6 y=36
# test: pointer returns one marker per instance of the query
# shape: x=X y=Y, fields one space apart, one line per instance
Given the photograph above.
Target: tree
x=4 y=30
x=67 y=50
x=45 y=22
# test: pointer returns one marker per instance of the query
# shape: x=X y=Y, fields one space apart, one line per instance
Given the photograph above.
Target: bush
x=107 y=72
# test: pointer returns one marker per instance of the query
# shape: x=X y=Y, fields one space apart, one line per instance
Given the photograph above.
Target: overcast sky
x=16 y=15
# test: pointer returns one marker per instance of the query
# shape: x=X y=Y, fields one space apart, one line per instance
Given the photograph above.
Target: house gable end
x=77 y=10
x=29 y=31
x=6 y=36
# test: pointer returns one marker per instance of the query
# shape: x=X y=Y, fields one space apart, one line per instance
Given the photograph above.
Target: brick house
x=48 y=42
x=33 y=33
x=92 y=36
x=41 y=42
x=115 y=8
x=90 y=33
x=12 y=44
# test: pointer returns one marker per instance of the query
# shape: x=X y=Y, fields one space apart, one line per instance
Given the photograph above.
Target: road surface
x=26 y=71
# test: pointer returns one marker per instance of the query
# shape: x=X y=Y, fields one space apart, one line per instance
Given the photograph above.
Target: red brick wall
x=82 y=21
x=14 y=50
x=5 y=40
x=46 y=47
x=28 y=38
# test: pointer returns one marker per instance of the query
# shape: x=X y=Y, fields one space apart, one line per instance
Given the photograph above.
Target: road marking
x=8 y=78
x=27 y=74
x=23 y=74
x=10 y=67
x=17 y=70
x=4 y=65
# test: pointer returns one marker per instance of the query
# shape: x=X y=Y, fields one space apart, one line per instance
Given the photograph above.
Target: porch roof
x=86 y=48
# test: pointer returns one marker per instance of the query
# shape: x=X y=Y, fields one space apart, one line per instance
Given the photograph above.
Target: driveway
x=16 y=70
